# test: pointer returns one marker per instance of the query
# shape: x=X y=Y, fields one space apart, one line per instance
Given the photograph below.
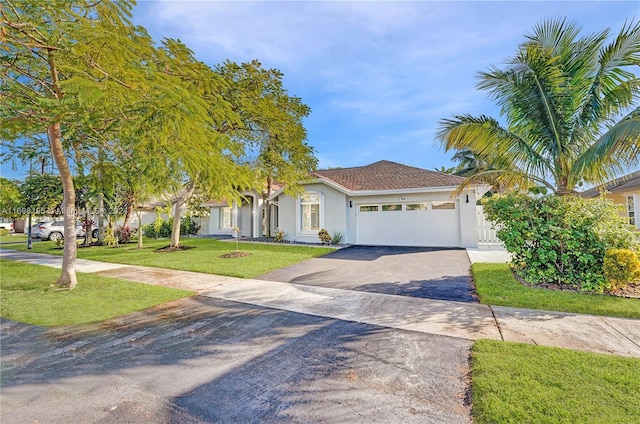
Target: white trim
x=299 y=230
x=631 y=207
x=480 y=189
x=222 y=217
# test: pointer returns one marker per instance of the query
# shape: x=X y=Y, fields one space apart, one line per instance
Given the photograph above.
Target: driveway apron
x=204 y=360
x=434 y=273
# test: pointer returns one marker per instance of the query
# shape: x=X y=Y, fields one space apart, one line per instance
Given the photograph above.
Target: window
x=310 y=212
x=369 y=208
x=225 y=217
x=391 y=208
x=631 y=210
x=442 y=205
x=416 y=206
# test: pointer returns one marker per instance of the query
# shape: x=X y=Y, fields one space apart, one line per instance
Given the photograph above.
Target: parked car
x=6 y=226
x=54 y=230
x=34 y=228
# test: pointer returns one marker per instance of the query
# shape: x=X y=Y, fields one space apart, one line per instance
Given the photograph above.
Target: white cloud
x=380 y=73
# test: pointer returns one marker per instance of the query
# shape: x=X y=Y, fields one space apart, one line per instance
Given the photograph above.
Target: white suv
x=55 y=230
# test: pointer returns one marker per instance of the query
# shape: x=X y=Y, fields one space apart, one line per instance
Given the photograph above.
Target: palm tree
x=469 y=163
x=569 y=102
x=445 y=169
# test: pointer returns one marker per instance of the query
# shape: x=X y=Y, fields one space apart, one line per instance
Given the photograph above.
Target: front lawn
x=496 y=285
x=519 y=383
x=203 y=257
x=26 y=295
x=13 y=238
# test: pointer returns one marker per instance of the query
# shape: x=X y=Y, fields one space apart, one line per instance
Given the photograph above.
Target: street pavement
x=470 y=321
x=245 y=351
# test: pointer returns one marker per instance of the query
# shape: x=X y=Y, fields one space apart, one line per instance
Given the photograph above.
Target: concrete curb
x=469 y=321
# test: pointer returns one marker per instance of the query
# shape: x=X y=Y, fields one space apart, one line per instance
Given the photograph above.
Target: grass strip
x=497 y=286
x=13 y=238
x=26 y=295
x=204 y=255
x=519 y=383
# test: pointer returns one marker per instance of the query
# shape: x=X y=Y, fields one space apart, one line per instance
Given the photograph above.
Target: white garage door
x=409 y=224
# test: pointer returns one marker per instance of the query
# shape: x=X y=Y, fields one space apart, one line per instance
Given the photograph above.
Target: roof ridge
x=388 y=175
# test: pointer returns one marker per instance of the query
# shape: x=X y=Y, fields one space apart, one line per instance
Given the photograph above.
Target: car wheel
x=94 y=233
x=55 y=236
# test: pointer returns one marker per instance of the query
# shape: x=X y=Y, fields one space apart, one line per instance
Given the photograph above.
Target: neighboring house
x=224 y=216
x=384 y=203
x=625 y=191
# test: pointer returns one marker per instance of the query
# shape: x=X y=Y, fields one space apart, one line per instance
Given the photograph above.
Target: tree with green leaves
x=469 y=163
x=271 y=127
x=32 y=151
x=191 y=132
x=11 y=202
x=445 y=169
x=42 y=194
x=570 y=103
x=67 y=66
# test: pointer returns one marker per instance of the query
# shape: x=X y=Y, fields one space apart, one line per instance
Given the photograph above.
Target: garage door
x=409 y=224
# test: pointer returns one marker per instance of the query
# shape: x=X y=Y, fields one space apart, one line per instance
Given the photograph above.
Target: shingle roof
x=619 y=185
x=386 y=175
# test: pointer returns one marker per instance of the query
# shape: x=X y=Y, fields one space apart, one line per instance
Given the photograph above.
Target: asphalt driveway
x=204 y=360
x=424 y=272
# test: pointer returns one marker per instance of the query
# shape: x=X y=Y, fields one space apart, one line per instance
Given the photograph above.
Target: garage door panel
x=409 y=228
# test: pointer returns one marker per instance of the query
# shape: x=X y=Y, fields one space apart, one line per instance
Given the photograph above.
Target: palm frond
x=510 y=179
x=501 y=148
x=615 y=150
x=606 y=93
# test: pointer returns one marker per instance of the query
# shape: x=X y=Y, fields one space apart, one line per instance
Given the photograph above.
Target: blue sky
x=378 y=76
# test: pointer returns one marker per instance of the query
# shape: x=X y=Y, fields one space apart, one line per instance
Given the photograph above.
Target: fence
x=486 y=233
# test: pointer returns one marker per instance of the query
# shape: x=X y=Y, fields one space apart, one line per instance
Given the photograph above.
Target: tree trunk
x=88 y=228
x=101 y=229
x=127 y=214
x=139 y=229
x=101 y=226
x=177 y=213
x=267 y=207
x=563 y=190
x=68 y=277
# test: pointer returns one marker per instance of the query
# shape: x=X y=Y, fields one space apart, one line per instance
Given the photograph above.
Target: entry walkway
x=469 y=321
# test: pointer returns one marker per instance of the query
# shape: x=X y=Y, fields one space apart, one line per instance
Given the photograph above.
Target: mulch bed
x=234 y=255
x=173 y=249
x=631 y=291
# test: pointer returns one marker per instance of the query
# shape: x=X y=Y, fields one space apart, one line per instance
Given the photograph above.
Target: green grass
x=204 y=257
x=26 y=295
x=518 y=383
x=13 y=238
x=496 y=285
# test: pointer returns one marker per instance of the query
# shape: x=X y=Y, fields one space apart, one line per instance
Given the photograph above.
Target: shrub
x=559 y=240
x=110 y=236
x=160 y=229
x=337 y=238
x=163 y=228
x=124 y=234
x=188 y=226
x=4 y=232
x=621 y=266
x=280 y=236
x=324 y=236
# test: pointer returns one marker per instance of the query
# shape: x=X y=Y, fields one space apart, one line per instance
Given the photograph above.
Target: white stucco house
x=384 y=203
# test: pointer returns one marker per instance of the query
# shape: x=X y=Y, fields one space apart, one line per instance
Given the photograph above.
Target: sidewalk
x=469 y=321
